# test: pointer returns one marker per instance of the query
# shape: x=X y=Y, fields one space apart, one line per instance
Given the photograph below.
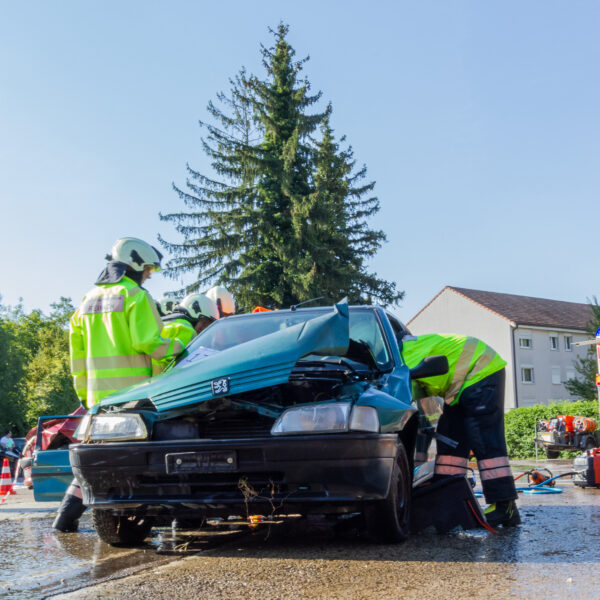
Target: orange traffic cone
x=6 y=486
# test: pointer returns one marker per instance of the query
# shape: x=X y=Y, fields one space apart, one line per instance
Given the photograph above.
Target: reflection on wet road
x=37 y=561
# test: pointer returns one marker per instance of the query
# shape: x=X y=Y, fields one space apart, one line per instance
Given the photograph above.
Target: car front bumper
x=310 y=473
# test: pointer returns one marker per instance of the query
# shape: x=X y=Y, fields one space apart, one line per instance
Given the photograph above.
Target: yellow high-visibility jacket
x=181 y=329
x=470 y=360
x=114 y=334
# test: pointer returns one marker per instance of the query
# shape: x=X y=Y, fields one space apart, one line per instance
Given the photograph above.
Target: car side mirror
x=430 y=366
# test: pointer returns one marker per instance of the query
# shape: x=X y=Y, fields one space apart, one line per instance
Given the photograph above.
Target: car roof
x=303 y=310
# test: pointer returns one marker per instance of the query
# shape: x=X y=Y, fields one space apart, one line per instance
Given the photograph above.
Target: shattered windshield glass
x=232 y=331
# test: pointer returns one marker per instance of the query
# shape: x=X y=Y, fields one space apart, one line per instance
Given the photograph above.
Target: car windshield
x=232 y=331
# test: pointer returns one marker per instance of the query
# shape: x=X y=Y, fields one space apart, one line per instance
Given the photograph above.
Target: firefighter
x=114 y=334
x=223 y=298
x=165 y=306
x=193 y=314
x=473 y=393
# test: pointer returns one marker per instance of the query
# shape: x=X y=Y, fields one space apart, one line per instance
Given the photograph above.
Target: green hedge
x=519 y=423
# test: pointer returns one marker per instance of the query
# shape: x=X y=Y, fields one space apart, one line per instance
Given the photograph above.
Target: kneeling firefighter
x=114 y=335
x=473 y=416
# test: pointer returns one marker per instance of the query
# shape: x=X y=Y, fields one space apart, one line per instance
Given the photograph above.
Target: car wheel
x=590 y=443
x=551 y=453
x=121 y=531
x=388 y=520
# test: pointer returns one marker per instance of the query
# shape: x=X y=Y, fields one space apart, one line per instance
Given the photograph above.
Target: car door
x=51 y=471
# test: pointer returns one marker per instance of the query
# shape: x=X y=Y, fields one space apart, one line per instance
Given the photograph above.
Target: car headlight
x=83 y=426
x=364 y=418
x=112 y=427
x=314 y=418
x=326 y=418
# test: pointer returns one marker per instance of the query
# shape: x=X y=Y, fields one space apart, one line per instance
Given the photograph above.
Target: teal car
x=285 y=412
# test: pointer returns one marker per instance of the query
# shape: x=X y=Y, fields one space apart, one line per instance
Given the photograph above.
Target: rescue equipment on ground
x=445 y=504
x=587 y=469
x=541 y=481
x=566 y=432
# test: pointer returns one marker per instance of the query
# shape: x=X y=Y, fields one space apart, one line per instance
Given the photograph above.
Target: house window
x=525 y=342
x=556 y=375
x=553 y=342
x=527 y=375
x=570 y=373
x=568 y=342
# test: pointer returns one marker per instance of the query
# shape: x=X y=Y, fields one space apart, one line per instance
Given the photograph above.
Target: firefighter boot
x=504 y=512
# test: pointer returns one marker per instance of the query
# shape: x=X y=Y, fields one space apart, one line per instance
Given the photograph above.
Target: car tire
x=590 y=443
x=388 y=520
x=121 y=531
x=551 y=453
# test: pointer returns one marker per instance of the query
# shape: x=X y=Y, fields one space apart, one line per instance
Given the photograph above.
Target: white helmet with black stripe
x=165 y=306
x=136 y=254
x=196 y=306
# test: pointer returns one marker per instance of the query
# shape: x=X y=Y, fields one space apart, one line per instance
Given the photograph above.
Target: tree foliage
x=285 y=217
x=35 y=377
x=584 y=386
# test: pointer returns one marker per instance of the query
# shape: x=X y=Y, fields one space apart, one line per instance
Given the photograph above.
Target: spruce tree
x=286 y=221
x=336 y=233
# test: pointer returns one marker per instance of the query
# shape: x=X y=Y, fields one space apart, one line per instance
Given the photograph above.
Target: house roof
x=526 y=310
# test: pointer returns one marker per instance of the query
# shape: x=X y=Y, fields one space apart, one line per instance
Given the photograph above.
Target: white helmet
x=197 y=306
x=223 y=298
x=136 y=253
x=165 y=306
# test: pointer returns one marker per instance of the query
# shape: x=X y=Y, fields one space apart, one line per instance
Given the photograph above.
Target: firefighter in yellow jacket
x=473 y=393
x=114 y=335
x=191 y=316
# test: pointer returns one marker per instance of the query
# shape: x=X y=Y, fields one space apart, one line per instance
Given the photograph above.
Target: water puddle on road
x=38 y=562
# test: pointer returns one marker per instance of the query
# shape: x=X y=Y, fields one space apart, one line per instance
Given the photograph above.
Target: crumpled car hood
x=259 y=363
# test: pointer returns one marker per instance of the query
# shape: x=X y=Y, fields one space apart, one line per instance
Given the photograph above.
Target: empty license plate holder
x=201 y=462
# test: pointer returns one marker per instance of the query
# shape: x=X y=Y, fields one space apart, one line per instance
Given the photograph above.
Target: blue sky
x=478 y=121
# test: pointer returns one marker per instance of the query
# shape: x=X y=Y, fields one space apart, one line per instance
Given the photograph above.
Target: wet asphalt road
x=554 y=554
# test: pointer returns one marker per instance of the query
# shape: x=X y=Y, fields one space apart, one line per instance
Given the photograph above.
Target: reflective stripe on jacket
x=113 y=336
x=470 y=360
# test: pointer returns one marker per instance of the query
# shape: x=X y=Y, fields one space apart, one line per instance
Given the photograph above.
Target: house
x=535 y=336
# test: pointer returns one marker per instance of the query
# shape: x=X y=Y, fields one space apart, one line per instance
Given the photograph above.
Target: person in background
x=114 y=335
x=8 y=447
x=473 y=416
x=224 y=300
x=6 y=441
x=192 y=315
x=165 y=306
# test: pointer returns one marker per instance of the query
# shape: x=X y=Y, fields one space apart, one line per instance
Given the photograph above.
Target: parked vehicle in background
x=291 y=411
x=566 y=432
x=45 y=460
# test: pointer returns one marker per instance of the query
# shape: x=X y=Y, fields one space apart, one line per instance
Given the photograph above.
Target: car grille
x=230 y=425
x=246 y=426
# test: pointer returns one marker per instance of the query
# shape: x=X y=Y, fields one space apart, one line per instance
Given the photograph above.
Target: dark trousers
x=476 y=422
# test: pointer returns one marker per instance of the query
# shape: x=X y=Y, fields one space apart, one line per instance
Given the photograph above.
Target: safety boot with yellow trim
x=504 y=512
